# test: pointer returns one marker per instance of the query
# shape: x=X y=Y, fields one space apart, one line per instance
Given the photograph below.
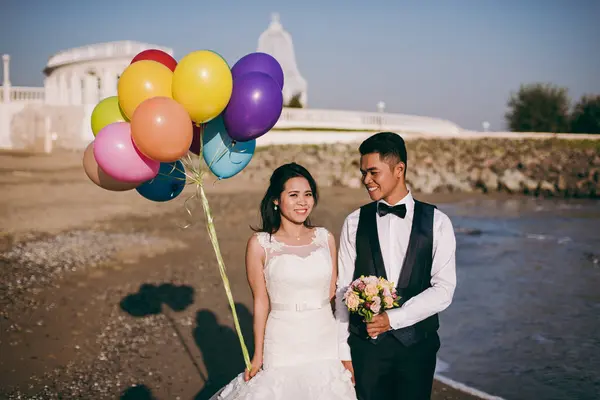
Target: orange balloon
x=162 y=129
x=99 y=177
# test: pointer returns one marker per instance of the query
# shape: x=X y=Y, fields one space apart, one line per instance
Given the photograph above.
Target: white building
x=58 y=115
x=277 y=42
x=88 y=74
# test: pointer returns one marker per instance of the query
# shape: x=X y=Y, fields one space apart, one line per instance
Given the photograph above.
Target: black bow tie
x=399 y=210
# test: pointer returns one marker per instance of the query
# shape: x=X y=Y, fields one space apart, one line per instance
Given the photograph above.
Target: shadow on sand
x=140 y=392
x=219 y=344
x=220 y=347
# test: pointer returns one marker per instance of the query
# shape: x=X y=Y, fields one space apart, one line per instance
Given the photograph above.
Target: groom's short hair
x=389 y=145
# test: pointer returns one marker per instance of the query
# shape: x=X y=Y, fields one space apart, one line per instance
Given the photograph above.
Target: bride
x=292 y=268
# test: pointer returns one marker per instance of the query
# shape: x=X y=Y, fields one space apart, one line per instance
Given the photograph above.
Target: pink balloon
x=116 y=155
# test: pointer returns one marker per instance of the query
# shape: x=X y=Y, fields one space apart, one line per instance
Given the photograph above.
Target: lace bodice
x=297 y=274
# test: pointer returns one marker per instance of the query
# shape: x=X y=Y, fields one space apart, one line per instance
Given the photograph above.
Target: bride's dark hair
x=270 y=217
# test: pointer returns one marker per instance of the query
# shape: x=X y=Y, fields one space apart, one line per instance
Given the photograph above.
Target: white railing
x=313 y=119
x=527 y=135
x=297 y=118
x=22 y=94
x=24 y=123
x=122 y=49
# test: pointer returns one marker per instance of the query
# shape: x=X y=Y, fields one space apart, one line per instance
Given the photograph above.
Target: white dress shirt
x=394 y=234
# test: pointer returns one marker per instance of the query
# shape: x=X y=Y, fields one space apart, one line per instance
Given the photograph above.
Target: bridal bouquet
x=369 y=295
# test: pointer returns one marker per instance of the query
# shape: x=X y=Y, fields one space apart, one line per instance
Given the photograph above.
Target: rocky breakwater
x=540 y=167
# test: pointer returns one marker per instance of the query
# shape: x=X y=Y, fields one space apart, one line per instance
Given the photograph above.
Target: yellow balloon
x=141 y=81
x=202 y=84
x=107 y=112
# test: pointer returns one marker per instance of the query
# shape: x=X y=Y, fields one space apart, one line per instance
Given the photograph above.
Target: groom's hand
x=379 y=324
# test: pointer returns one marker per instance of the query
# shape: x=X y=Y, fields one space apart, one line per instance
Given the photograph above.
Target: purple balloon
x=254 y=108
x=259 y=62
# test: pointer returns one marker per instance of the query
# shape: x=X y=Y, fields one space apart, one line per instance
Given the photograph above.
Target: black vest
x=415 y=276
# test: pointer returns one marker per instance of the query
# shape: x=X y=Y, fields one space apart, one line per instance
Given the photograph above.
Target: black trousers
x=389 y=370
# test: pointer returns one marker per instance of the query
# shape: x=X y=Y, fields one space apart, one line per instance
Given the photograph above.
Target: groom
x=407 y=242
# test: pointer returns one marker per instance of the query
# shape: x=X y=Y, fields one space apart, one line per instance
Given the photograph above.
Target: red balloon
x=195 y=146
x=158 y=56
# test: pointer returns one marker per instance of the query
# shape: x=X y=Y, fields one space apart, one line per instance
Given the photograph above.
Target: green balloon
x=107 y=112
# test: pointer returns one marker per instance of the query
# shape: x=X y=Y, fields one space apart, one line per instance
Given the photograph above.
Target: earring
x=275 y=206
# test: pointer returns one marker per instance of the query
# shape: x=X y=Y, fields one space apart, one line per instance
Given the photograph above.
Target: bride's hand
x=255 y=367
x=348 y=365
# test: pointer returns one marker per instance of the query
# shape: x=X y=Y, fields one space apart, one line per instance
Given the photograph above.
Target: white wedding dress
x=300 y=358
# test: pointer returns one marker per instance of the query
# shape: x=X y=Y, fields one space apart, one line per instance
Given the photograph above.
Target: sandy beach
x=105 y=294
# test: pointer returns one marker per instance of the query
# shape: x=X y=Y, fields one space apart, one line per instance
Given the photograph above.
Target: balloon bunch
x=165 y=110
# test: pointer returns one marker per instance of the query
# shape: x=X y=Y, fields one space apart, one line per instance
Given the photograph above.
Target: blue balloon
x=167 y=185
x=224 y=156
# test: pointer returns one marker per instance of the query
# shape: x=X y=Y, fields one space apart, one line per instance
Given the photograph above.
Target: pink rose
x=388 y=302
x=352 y=301
x=361 y=286
x=371 y=289
x=348 y=291
x=387 y=292
x=375 y=307
x=371 y=280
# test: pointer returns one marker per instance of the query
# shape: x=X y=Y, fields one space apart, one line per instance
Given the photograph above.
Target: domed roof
x=125 y=49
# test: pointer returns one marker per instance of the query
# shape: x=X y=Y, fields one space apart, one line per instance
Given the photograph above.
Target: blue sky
x=454 y=59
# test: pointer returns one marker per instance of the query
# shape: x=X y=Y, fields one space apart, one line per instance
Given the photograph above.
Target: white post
x=47 y=135
x=6 y=78
x=90 y=89
x=75 y=88
x=47 y=90
x=62 y=94
x=50 y=89
x=380 y=109
x=54 y=99
x=109 y=83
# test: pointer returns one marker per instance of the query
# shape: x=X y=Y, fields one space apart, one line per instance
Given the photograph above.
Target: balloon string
x=218 y=156
x=227 y=148
x=188 y=164
x=202 y=126
x=189 y=160
x=160 y=176
x=197 y=178
x=214 y=240
x=222 y=153
x=188 y=210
